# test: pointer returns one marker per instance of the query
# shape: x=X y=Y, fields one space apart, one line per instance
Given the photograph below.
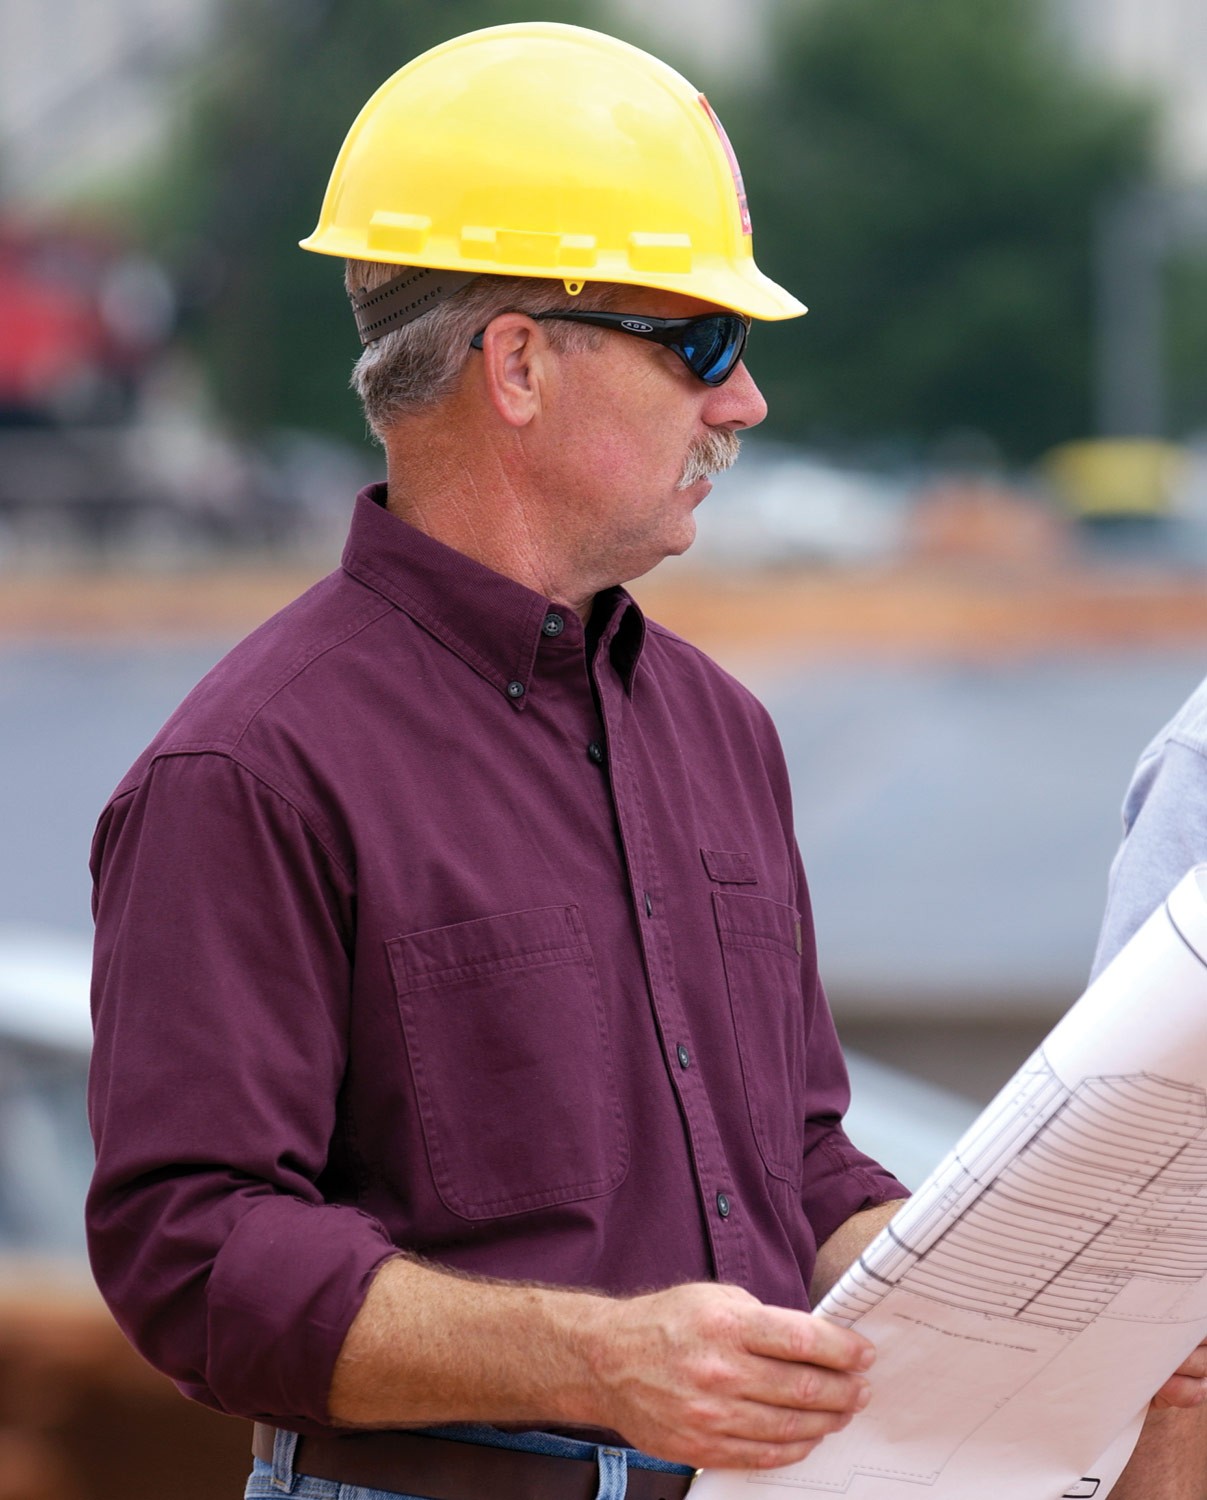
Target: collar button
x=553 y=625
x=515 y=689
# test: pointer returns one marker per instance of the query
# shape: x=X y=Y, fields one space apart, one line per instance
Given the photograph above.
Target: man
x=461 y=1055
x=460 y=1050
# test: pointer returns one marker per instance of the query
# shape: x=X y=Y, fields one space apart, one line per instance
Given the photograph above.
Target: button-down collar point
x=515 y=689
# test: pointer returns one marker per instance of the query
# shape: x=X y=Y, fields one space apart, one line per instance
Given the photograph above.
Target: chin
x=678 y=544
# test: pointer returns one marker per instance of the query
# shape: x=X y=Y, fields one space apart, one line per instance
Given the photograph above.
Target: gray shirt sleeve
x=1164 y=830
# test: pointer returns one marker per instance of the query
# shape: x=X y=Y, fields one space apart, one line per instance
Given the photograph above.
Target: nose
x=736 y=404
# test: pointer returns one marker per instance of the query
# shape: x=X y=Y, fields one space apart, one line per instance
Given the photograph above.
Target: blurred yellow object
x=1103 y=477
x=547 y=150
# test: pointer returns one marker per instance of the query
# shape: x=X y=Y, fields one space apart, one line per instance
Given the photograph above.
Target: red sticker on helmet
x=739 y=188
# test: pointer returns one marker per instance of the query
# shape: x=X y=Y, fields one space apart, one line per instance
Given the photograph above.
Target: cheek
x=636 y=427
x=656 y=445
x=633 y=450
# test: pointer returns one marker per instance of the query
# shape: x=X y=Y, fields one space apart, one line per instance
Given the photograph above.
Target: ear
x=515 y=367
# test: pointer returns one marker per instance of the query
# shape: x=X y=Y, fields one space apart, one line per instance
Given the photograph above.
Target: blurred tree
x=242 y=176
x=927 y=176
x=1185 y=333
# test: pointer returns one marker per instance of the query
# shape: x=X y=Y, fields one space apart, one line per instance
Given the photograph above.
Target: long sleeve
x=221 y=992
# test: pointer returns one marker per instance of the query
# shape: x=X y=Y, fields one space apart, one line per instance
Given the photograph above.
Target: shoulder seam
x=668 y=635
x=301 y=663
x=748 y=694
x=1188 y=739
x=313 y=821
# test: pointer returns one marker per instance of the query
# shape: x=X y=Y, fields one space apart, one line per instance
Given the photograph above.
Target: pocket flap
x=729 y=866
x=542 y=936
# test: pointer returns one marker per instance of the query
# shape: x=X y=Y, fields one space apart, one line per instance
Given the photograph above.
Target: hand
x=1187 y=1386
x=1171 y=1456
x=709 y=1376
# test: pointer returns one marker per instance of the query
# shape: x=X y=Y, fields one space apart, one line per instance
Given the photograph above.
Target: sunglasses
x=710 y=346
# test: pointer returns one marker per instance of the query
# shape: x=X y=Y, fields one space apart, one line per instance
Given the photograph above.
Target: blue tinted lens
x=713 y=346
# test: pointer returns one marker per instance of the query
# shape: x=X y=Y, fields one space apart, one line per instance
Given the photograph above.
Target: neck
x=480 y=507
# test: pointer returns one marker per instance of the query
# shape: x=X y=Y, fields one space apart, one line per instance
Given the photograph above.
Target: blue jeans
x=271 y=1481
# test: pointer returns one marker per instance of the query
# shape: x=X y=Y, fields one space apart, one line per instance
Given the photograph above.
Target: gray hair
x=419 y=364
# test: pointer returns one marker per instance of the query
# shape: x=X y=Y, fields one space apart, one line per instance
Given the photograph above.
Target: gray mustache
x=710 y=455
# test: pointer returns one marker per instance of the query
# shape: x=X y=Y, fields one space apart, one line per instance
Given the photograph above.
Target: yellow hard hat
x=547 y=150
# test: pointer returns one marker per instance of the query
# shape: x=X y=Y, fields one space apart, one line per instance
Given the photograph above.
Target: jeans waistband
x=467 y=1462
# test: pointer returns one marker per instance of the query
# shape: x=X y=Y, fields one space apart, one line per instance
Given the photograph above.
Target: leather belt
x=442 y=1469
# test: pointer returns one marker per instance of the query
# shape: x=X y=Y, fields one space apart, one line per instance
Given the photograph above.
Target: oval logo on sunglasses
x=634 y=326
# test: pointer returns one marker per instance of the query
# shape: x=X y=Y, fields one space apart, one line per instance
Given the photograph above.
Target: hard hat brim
x=742 y=288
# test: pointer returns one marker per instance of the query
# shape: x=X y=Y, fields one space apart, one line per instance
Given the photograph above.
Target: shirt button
x=723 y=1205
x=515 y=689
x=684 y=1056
x=649 y=905
x=554 y=625
x=595 y=753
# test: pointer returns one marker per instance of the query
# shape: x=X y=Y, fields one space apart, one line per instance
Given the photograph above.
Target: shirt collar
x=493 y=623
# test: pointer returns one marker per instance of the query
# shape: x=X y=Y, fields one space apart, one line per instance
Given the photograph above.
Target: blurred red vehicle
x=81 y=318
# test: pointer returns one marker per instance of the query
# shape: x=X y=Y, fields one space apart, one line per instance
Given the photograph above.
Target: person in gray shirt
x=1164 y=826
x=1164 y=834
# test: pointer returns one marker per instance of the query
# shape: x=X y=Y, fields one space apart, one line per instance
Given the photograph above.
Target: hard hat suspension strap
x=402 y=299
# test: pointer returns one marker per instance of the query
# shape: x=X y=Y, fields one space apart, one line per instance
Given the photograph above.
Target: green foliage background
x=925 y=173
x=242 y=177
x=929 y=175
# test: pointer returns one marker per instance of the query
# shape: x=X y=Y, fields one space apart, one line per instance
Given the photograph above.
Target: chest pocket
x=760 y=945
x=510 y=1059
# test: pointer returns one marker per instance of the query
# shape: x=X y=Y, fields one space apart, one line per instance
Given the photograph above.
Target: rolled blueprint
x=1051 y=1272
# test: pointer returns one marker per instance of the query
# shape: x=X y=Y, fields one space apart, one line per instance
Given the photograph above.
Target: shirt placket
x=721 y=1208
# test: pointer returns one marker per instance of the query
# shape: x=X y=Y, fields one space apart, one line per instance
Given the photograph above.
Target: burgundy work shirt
x=418 y=926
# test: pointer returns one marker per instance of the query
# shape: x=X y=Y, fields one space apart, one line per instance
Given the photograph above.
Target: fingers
x=716 y=1450
x=744 y=1434
x=780 y=1333
x=778 y=1384
x=1182 y=1391
x=707 y=1375
x=1187 y=1386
